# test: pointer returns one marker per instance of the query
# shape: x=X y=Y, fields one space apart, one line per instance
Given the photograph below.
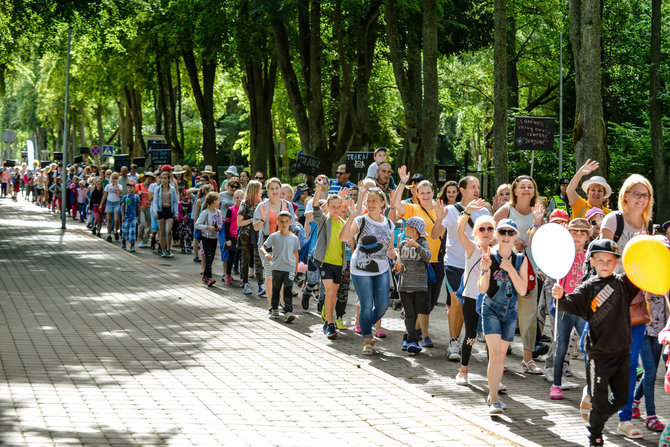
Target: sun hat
x=178 y=169
x=597 y=180
x=594 y=212
x=559 y=215
x=418 y=224
x=580 y=224
x=207 y=170
x=604 y=246
x=508 y=224
x=232 y=170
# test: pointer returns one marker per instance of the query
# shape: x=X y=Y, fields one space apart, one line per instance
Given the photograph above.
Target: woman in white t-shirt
x=369 y=261
x=111 y=202
x=636 y=200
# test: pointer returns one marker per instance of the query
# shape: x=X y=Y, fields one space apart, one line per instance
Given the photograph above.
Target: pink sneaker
x=380 y=334
x=357 y=329
x=229 y=279
x=556 y=392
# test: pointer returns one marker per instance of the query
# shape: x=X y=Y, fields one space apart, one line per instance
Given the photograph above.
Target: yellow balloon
x=646 y=262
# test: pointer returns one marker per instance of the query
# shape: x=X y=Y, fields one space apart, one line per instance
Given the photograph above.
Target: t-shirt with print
x=454 y=255
x=113 y=193
x=370 y=255
x=414 y=277
x=575 y=275
x=130 y=202
x=428 y=216
x=609 y=222
x=283 y=251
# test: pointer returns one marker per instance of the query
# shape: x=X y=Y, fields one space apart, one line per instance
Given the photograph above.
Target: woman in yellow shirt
x=596 y=188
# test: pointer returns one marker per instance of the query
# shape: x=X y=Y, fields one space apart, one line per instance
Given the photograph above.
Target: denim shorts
x=112 y=207
x=499 y=315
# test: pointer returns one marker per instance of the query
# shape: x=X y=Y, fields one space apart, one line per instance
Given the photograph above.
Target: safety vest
x=561 y=204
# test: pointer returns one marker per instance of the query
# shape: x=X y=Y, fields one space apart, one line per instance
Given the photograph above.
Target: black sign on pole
x=78 y=159
x=139 y=161
x=45 y=164
x=161 y=154
x=534 y=133
x=358 y=162
x=58 y=156
x=84 y=150
x=307 y=165
x=10 y=163
x=121 y=160
x=24 y=155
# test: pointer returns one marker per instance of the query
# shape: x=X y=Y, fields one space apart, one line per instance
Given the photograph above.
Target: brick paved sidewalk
x=89 y=358
x=531 y=415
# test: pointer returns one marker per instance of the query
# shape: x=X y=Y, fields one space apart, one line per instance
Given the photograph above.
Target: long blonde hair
x=632 y=180
x=253 y=194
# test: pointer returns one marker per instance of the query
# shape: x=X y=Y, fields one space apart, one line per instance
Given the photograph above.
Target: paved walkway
x=102 y=347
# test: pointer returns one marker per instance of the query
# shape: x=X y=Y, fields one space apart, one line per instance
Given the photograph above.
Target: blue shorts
x=112 y=207
x=331 y=271
x=499 y=317
x=454 y=275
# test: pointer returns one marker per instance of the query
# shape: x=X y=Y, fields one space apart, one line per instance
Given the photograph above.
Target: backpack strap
x=460 y=209
x=619 y=225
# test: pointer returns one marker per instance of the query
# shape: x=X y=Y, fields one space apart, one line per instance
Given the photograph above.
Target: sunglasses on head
x=487 y=229
x=504 y=232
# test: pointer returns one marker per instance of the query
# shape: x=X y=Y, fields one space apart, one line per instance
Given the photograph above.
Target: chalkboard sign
x=139 y=161
x=10 y=163
x=358 y=162
x=161 y=156
x=58 y=156
x=534 y=133
x=84 y=150
x=121 y=160
x=78 y=159
x=45 y=164
x=24 y=155
x=307 y=165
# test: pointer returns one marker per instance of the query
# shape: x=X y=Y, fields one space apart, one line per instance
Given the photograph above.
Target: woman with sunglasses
x=636 y=201
x=503 y=278
x=483 y=235
x=520 y=210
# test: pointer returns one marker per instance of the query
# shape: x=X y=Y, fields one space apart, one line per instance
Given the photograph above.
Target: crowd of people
x=399 y=243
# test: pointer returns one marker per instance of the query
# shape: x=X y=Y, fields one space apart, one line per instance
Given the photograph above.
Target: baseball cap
x=131 y=184
x=563 y=181
x=507 y=223
x=593 y=212
x=559 y=215
x=283 y=213
x=166 y=168
x=418 y=224
x=604 y=246
x=381 y=149
x=665 y=226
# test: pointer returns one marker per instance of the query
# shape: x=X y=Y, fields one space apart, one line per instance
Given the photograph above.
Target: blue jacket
x=157 y=203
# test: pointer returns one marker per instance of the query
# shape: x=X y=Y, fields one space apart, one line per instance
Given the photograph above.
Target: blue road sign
x=107 y=151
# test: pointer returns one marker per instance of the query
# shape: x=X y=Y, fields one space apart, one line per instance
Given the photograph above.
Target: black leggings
x=470 y=319
x=209 y=246
x=411 y=302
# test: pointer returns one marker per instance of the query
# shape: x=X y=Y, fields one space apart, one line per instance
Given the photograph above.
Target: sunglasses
x=504 y=232
x=340 y=173
x=258 y=178
x=487 y=229
x=233 y=186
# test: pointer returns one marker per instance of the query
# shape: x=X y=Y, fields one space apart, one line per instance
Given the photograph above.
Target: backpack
x=620 y=223
x=360 y=230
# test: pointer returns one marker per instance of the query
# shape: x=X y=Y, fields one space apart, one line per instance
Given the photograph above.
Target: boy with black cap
x=603 y=301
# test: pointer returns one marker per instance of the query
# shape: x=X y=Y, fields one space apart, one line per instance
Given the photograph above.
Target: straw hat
x=178 y=169
x=207 y=170
x=597 y=180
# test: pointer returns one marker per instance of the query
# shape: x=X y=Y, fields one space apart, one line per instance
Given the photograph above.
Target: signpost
x=96 y=151
x=107 y=151
x=306 y=164
x=121 y=160
x=534 y=133
x=358 y=162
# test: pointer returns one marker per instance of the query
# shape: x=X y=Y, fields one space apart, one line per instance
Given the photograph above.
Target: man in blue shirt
x=342 y=180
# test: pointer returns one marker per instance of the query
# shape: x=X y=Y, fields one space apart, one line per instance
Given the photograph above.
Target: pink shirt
x=574 y=277
x=233 y=220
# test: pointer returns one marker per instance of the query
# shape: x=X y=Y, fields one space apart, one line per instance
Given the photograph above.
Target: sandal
x=585 y=404
x=627 y=429
x=367 y=349
x=654 y=424
x=530 y=367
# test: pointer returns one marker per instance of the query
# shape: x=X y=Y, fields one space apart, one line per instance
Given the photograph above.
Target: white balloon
x=553 y=250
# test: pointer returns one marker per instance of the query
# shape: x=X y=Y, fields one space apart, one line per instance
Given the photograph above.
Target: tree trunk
x=179 y=115
x=259 y=85
x=512 y=75
x=661 y=165
x=171 y=117
x=500 y=159
x=134 y=102
x=589 y=133
x=204 y=99
x=431 y=109
x=101 y=130
x=160 y=98
x=125 y=127
x=317 y=128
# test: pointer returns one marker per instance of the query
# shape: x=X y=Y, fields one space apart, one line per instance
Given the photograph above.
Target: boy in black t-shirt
x=603 y=301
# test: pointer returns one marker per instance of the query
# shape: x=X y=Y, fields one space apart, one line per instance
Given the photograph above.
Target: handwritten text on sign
x=358 y=162
x=307 y=165
x=534 y=133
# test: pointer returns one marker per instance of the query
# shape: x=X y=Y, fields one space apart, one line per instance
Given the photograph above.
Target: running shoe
x=123 y=246
x=109 y=238
x=427 y=343
x=454 y=352
x=247 y=288
x=357 y=329
x=196 y=259
x=229 y=280
x=261 y=290
x=169 y=254
x=462 y=378
x=305 y=300
x=502 y=404
x=339 y=324
x=331 y=333
x=116 y=236
x=163 y=253
x=414 y=348
x=380 y=334
x=288 y=317
x=211 y=282
x=496 y=408
x=132 y=248
x=405 y=343
x=274 y=314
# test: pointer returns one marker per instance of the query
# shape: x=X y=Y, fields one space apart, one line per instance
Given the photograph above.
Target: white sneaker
x=462 y=378
x=454 y=352
x=502 y=388
x=549 y=374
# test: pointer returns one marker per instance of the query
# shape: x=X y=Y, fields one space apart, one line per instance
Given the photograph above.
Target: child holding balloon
x=603 y=300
